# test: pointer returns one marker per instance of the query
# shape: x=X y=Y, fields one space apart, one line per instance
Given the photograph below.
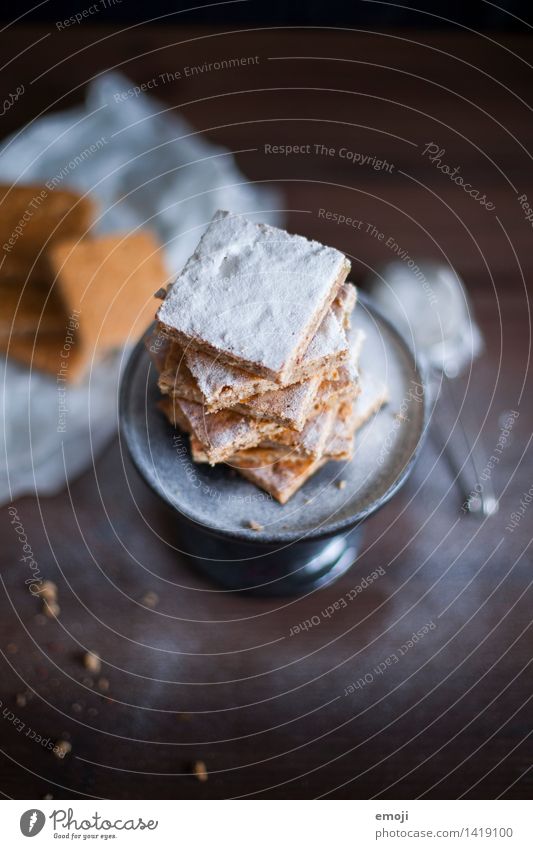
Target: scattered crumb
x=92 y=662
x=21 y=700
x=77 y=708
x=48 y=796
x=161 y=293
x=92 y=712
x=400 y=417
x=62 y=748
x=340 y=484
x=12 y=648
x=199 y=770
x=255 y=526
x=47 y=591
x=103 y=685
x=88 y=682
x=151 y=599
x=51 y=609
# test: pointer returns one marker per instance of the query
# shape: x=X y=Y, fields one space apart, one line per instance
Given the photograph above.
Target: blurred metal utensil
x=427 y=302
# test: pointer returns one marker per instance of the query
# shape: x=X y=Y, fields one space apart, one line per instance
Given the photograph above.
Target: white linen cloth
x=144 y=165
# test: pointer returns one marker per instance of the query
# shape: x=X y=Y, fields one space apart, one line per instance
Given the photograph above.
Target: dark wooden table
x=216 y=677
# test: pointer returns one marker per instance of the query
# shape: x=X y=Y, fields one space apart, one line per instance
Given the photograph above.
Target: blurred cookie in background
x=64 y=296
x=32 y=219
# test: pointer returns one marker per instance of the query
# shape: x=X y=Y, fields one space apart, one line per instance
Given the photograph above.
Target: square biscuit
x=345 y=378
x=356 y=413
x=26 y=310
x=279 y=475
x=289 y=406
x=32 y=219
x=110 y=282
x=223 y=386
x=283 y=474
x=281 y=479
x=252 y=295
x=221 y=434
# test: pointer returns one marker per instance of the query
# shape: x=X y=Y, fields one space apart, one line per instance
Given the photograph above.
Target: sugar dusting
x=244 y=276
x=328 y=346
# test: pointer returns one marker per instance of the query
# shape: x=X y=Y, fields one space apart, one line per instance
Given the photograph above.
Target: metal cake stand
x=315 y=537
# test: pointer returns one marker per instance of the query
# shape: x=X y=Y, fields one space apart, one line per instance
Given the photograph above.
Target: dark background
x=422 y=13
x=215 y=676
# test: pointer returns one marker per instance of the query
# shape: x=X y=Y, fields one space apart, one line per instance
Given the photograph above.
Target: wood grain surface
x=213 y=676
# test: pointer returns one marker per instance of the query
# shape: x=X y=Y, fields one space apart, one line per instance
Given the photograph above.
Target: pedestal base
x=263 y=570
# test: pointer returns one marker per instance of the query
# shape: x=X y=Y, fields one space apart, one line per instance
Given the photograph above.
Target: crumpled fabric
x=144 y=165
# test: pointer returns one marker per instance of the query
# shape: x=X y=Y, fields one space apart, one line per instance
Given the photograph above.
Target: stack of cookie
x=257 y=354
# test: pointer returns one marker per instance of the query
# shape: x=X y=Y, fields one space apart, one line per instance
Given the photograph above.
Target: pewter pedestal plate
x=315 y=537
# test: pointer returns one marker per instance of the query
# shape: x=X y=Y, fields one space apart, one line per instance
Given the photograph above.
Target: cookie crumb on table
x=199 y=771
x=255 y=526
x=92 y=662
x=62 y=748
x=47 y=591
x=151 y=599
x=51 y=609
